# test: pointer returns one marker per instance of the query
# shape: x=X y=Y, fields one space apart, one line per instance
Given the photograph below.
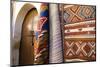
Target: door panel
x=26 y=48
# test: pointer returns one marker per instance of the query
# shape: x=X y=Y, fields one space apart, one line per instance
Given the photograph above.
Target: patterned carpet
x=79 y=32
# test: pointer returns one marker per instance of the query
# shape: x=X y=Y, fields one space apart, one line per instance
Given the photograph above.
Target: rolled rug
x=41 y=53
x=56 y=55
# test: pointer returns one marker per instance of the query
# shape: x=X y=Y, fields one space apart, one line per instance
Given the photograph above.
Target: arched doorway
x=26 y=53
x=23 y=54
x=17 y=29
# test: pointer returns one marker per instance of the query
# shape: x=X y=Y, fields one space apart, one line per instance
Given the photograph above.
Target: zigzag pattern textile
x=79 y=33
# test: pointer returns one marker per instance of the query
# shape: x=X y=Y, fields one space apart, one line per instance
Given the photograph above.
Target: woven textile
x=78 y=13
x=55 y=35
x=79 y=33
x=41 y=53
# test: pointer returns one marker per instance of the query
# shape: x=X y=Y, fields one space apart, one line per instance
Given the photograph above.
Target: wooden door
x=26 y=49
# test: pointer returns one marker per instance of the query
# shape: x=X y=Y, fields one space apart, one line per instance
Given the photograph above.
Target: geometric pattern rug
x=79 y=30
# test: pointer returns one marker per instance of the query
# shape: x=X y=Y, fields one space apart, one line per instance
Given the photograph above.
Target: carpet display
x=51 y=33
x=79 y=33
